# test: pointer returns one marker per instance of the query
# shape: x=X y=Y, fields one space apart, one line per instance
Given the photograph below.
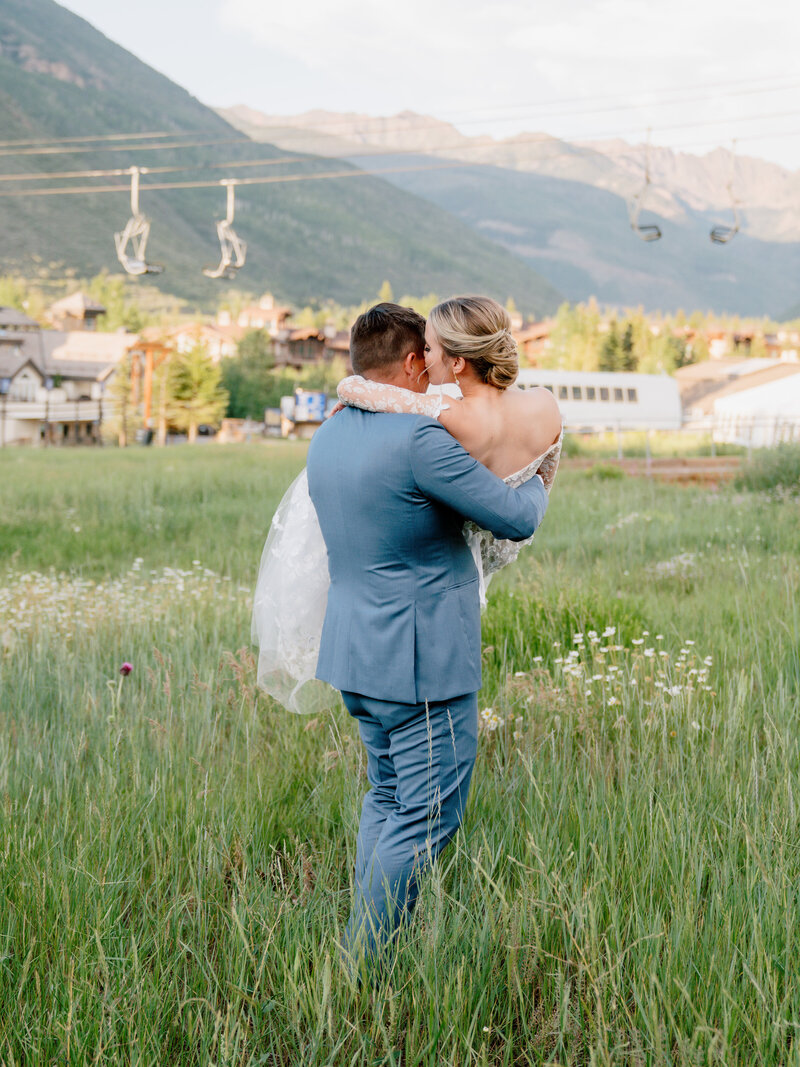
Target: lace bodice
x=490 y=554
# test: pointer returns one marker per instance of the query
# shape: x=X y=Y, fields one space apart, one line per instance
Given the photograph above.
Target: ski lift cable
x=375 y=153
x=284 y=178
x=149 y=135
x=118 y=172
x=53 y=148
x=55 y=151
x=261 y=180
x=499 y=112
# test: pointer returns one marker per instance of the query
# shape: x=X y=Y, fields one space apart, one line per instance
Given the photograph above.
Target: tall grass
x=176 y=851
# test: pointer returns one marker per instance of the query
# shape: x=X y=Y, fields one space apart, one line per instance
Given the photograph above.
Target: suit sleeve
x=446 y=472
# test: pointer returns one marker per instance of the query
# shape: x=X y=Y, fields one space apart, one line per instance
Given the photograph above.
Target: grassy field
x=176 y=851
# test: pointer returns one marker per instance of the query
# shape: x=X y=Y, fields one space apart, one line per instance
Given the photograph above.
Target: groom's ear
x=409 y=364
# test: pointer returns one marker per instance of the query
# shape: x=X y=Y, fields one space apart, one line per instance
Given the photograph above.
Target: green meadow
x=177 y=850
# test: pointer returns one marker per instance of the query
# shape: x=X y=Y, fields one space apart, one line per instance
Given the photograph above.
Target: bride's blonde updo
x=478 y=329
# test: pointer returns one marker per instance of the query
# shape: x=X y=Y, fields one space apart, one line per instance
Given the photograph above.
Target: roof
x=306 y=333
x=533 y=331
x=703 y=400
x=778 y=398
x=81 y=346
x=230 y=332
x=12 y=360
x=11 y=317
x=719 y=369
x=340 y=342
x=276 y=311
x=76 y=304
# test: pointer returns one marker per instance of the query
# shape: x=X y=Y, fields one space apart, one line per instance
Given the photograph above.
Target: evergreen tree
x=195 y=395
x=249 y=378
x=126 y=418
x=610 y=350
x=386 y=295
x=627 y=358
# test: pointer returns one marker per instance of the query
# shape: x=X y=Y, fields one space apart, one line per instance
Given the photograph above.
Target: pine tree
x=195 y=395
x=610 y=350
x=126 y=418
x=627 y=359
x=386 y=294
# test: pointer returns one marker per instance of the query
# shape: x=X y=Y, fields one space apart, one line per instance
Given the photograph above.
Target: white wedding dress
x=291 y=591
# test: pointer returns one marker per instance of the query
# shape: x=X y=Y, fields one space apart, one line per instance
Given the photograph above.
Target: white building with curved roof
x=602 y=400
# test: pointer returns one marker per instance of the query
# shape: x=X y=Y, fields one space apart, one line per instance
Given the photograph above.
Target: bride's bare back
x=505 y=429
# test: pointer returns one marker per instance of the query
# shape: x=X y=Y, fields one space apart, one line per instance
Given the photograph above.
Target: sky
x=693 y=71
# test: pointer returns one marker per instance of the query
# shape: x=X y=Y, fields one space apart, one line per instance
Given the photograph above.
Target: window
x=577 y=392
x=23 y=388
x=549 y=388
x=590 y=392
x=632 y=397
x=604 y=393
x=618 y=397
x=563 y=392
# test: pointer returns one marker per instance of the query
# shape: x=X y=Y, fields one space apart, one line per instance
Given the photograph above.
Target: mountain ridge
x=563 y=207
x=308 y=239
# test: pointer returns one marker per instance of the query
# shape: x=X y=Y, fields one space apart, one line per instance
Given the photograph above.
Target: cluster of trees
x=127 y=307
x=187 y=394
x=253 y=382
x=586 y=338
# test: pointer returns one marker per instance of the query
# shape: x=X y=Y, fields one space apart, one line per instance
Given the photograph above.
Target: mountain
x=563 y=207
x=307 y=239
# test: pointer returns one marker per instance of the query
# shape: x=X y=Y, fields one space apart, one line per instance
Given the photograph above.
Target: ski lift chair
x=233 y=249
x=649 y=231
x=720 y=234
x=136 y=232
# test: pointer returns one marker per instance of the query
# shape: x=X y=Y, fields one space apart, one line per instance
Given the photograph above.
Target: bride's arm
x=358 y=392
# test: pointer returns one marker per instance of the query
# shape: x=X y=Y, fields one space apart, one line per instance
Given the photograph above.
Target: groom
x=402 y=632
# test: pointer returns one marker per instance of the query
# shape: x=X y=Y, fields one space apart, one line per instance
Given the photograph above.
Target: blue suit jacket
x=391 y=493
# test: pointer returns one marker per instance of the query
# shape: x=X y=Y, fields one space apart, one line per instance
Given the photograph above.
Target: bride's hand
x=335 y=411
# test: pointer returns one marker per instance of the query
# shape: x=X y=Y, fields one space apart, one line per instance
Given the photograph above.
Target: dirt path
x=703 y=469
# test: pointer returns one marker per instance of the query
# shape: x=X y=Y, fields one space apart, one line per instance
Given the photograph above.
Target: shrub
x=772 y=468
x=605 y=472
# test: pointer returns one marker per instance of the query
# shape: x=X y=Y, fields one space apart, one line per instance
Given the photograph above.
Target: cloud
x=470 y=58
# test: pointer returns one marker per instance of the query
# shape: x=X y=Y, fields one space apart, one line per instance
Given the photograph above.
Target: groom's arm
x=446 y=472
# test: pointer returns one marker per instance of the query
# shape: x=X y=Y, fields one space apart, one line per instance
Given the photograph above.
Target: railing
x=54 y=411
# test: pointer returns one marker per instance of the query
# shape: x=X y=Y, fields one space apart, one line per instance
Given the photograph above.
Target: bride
x=515 y=433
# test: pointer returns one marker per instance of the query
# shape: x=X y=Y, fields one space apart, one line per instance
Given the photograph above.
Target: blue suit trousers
x=419 y=765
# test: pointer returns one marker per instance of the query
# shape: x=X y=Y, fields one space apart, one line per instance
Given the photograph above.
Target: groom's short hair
x=385 y=334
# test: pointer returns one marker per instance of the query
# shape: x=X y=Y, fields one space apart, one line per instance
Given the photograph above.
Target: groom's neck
x=396 y=377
